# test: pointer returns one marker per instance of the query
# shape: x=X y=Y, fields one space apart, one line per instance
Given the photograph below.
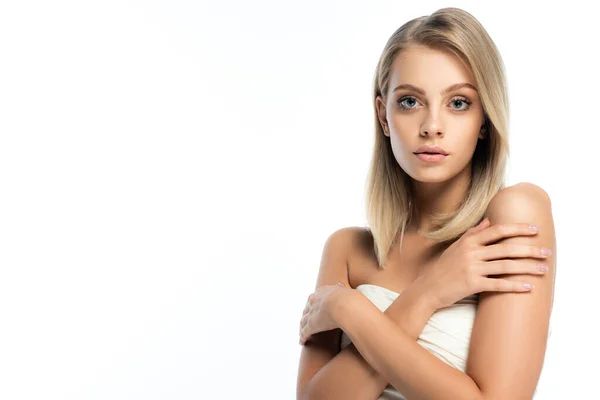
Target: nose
x=436 y=132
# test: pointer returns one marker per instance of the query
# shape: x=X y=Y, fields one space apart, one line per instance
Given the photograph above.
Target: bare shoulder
x=344 y=240
x=336 y=254
x=353 y=238
x=347 y=233
x=323 y=346
x=510 y=330
x=523 y=192
x=525 y=202
x=355 y=243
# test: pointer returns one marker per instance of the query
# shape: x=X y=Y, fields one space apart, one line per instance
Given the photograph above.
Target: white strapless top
x=446 y=335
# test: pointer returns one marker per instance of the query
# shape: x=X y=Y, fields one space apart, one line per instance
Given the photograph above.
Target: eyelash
x=463 y=99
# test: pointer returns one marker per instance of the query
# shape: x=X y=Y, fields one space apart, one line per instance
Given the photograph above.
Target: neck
x=430 y=198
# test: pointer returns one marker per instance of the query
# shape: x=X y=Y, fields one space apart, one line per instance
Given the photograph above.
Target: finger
x=483 y=224
x=495 y=233
x=511 y=250
x=479 y=227
x=306 y=307
x=303 y=335
x=303 y=341
x=304 y=319
x=504 y=285
x=499 y=267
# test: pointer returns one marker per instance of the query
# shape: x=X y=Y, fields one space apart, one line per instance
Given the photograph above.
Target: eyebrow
x=451 y=88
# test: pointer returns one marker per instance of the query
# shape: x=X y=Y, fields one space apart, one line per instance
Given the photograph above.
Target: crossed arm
x=508 y=340
x=391 y=355
x=348 y=375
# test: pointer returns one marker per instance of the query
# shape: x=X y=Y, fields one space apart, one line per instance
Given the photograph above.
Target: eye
x=453 y=101
x=462 y=100
x=403 y=99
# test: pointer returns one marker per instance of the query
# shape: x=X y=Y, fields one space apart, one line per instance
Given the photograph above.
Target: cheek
x=402 y=153
x=465 y=152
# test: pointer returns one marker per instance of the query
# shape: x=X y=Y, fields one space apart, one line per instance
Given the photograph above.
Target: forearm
x=348 y=375
x=406 y=365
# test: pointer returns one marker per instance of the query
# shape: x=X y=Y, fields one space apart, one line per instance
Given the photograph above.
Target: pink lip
x=431 y=149
x=431 y=157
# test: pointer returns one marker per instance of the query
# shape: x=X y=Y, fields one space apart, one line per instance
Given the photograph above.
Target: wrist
x=342 y=303
x=425 y=299
x=412 y=309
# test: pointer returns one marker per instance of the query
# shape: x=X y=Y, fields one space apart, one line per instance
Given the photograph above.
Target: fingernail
x=534 y=228
x=546 y=251
x=542 y=268
x=527 y=285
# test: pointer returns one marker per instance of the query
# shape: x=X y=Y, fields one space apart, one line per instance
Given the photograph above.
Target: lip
x=431 y=158
x=431 y=149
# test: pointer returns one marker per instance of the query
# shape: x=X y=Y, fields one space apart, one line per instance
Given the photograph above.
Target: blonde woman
x=447 y=294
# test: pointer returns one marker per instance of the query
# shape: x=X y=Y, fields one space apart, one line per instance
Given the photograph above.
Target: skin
x=453 y=121
x=509 y=334
x=433 y=119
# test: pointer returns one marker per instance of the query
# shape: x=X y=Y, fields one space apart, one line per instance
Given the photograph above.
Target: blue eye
x=454 y=100
x=402 y=100
x=462 y=100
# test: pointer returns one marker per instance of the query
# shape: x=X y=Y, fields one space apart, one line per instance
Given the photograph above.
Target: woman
x=430 y=301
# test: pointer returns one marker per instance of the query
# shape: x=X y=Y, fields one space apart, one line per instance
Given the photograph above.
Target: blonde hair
x=389 y=205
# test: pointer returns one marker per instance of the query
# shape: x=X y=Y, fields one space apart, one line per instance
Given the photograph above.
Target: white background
x=170 y=170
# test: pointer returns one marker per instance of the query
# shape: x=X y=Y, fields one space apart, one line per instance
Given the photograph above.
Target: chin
x=429 y=175
x=432 y=179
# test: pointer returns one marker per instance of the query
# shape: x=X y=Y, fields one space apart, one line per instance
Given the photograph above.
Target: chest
x=402 y=266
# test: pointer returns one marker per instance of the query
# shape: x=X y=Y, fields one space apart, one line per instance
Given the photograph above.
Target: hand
x=463 y=267
x=317 y=315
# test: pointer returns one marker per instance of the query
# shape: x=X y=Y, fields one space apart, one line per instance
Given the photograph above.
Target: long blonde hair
x=389 y=205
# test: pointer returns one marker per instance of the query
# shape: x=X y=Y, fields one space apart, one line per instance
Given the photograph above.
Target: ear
x=482 y=131
x=381 y=112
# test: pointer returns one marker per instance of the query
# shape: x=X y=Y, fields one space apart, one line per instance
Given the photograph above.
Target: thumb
x=483 y=224
x=479 y=227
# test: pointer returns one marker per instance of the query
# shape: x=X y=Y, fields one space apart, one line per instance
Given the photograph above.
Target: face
x=452 y=120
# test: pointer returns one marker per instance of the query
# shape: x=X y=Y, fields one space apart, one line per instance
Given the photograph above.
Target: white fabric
x=446 y=335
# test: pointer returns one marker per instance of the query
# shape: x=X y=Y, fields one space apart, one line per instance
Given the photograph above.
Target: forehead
x=429 y=69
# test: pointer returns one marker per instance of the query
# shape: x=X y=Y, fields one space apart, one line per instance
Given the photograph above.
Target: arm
x=510 y=332
x=509 y=335
x=348 y=375
x=323 y=346
x=410 y=368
